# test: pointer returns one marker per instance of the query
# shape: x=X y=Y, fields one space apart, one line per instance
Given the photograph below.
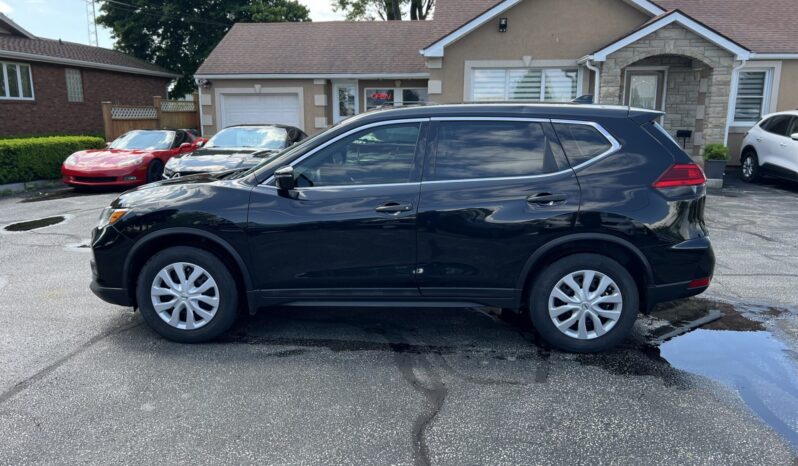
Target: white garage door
x=240 y=109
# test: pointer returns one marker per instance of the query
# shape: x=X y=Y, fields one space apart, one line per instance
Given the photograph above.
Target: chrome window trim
x=615 y=146
x=348 y=133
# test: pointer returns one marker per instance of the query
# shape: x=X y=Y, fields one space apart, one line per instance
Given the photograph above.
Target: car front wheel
x=584 y=303
x=750 y=166
x=187 y=295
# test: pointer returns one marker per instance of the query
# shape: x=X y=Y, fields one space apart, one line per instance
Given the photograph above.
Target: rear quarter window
x=581 y=142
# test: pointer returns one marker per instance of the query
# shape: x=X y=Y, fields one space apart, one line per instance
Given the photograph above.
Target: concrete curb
x=14 y=188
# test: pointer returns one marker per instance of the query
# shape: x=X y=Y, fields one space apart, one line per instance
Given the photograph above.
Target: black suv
x=580 y=216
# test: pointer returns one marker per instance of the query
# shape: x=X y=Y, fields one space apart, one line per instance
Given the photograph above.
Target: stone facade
x=700 y=90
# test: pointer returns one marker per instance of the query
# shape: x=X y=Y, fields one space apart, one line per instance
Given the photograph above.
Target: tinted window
x=491 y=149
x=380 y=155
x=777 y=124
x=581 y=142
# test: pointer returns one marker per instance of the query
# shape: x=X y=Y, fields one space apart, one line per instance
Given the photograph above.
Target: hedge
x=40 y=158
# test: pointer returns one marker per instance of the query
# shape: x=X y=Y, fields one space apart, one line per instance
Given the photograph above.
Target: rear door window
x=490 y=149
x=581 y=142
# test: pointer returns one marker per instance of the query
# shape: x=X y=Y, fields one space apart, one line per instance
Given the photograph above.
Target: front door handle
x=393 y=207
x=783 y=144
x=546 y=199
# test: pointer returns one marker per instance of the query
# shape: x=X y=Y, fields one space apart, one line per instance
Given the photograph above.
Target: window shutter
x=489 y=85
x=750 y=95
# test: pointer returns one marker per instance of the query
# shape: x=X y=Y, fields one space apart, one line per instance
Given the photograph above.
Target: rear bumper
x=679 y=265
x=118 y=296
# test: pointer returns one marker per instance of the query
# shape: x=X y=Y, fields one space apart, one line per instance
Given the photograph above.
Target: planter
x=714 y=169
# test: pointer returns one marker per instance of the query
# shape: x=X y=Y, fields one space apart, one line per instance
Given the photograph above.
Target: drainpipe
x=199 y=108
x=596 y=81
x=732 y=92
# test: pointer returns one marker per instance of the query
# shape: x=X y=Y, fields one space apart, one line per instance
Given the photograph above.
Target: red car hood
x=107 y=158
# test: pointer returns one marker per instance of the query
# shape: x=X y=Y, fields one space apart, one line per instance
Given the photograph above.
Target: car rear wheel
x=155 y=171
x=584 y=303
x=750 y=166
x=187 y=295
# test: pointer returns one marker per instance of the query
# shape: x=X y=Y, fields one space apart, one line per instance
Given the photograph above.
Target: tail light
x=681 y=174
x=699 y=282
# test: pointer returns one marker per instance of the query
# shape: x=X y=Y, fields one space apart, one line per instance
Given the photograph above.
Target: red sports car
x=134 y=158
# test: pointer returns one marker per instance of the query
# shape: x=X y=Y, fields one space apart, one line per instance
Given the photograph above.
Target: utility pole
x=91 y=15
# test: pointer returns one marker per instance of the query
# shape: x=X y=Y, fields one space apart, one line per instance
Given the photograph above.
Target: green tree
x=179 y=34
x=386 y=10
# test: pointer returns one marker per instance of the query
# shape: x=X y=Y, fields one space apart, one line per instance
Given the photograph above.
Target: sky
x=67 y=19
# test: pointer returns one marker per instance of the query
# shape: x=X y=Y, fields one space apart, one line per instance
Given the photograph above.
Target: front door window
x=644 y=89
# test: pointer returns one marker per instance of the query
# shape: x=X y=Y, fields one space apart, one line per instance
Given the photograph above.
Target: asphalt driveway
x=85 y=381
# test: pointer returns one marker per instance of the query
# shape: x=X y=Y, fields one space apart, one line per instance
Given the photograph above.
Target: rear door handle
x=758 y=139
x=393 y=207
x=546 y=199
x=783 y=144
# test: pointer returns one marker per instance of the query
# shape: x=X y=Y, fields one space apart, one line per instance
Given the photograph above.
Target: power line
x=140 y=10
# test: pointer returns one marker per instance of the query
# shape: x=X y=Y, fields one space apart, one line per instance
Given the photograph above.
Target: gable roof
x=491 y=9
x=22 y=45
x=769 y=26
x=685 y=21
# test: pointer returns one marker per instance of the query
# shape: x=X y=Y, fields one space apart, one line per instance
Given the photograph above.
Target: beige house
x=714 y=66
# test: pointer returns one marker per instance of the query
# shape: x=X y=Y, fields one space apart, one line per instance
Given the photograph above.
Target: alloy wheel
x=185 y=295
x=748 y=167
x=585 y=304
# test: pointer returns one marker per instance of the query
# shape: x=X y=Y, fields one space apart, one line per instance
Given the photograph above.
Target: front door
x=645 y=89
x=350 y=226
x=344 y=100
x=491 y=194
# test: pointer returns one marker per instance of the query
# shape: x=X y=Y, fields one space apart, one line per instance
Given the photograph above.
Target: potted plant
x=715 y=158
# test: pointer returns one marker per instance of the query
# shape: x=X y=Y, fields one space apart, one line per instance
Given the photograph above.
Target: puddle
x=34 y=224
x=755 y=364
x=735 y=349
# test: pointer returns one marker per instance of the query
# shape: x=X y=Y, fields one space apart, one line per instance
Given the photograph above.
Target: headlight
x=133 y=161
x=71 y=161
x=109 y=216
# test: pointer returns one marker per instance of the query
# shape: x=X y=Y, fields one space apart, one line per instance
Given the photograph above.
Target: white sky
x=66 y=19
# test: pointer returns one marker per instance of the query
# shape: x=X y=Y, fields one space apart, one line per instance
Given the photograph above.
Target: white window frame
x=770 y=98
x=506 y=65
x=4 y=69
x=397 y=91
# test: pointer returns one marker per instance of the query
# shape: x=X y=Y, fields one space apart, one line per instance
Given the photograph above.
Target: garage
x=238 y=109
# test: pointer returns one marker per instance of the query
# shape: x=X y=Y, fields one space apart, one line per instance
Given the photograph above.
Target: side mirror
x=200 y=142
x=794 y=136
x=284 y=178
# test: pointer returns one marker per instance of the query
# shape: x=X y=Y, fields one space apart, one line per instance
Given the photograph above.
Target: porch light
x=502 y=24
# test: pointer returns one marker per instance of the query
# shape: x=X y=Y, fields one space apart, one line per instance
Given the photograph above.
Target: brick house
x=714 y=66
x=49 y=86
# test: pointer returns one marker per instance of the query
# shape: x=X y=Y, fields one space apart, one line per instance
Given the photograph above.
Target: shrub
x=716 y=152
x=40 y=158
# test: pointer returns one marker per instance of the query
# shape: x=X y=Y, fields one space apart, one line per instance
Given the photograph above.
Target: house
x=49 y=86
x=714 y=66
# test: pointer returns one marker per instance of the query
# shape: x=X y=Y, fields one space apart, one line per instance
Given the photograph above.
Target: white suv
x=771 y=147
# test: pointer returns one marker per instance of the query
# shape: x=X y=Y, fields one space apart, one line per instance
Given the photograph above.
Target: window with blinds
x=751 y=98
x=74 y=85
x=536 y=85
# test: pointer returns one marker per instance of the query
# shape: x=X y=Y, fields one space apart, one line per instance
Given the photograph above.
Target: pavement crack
x=418 y=372
x=24 y=384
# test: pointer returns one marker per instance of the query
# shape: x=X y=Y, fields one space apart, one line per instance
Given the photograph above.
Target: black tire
x=752 y=175
x=155 y=171
x=227 y=310
x=549 y=278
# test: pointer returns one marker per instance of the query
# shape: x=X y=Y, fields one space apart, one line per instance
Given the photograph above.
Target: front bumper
x=133 y=176
x=118 y=296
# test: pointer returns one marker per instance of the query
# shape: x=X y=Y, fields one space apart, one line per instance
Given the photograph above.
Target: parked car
x=235 y=147
x=770 y=148
x=134 y=158
x=577 y=216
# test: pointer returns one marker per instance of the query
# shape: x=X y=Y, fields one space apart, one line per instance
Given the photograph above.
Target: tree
x=179 y=34
x=389 y=10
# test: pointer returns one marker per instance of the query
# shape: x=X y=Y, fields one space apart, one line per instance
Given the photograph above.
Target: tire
x=155 y=171
x=206 y=321
x=613 y=327
x=749 y=173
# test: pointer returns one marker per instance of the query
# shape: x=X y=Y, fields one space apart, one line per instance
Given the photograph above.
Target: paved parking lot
x=85 y=381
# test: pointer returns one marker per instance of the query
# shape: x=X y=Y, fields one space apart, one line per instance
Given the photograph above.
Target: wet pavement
x=708 y=380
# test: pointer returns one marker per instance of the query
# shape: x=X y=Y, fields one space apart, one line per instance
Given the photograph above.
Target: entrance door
x=645 y=89
x=344 y=100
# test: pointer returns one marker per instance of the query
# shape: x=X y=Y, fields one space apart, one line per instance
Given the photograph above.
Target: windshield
x=261 y=137
x=150 y=140
x=285 y=154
